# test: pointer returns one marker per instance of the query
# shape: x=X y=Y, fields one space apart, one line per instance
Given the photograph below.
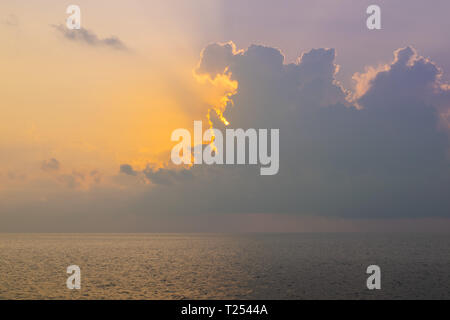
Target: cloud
x=409 y=79
x=380 y=153
x=82 y=180
x=70 y=181
x=89 y=38
x=73 y=179
x=11 y=21
x=127 y=169
x=96 y=176
x=50 y=165
x=167 y=176
x=216 y=58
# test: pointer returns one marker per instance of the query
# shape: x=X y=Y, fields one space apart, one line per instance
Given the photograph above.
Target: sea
x=225 y=266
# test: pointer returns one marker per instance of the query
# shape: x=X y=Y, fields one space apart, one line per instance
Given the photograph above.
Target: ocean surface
x=222 y=266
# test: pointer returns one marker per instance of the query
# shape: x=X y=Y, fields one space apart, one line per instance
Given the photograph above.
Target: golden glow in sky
x=93 y=107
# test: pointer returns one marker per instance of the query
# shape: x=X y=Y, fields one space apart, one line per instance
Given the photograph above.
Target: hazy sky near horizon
x=365 y=115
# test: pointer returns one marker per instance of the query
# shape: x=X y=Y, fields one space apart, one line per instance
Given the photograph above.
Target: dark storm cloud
x=88 y=37
x=386 y=158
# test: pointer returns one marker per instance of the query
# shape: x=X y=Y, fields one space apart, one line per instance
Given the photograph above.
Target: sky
x=87 y=115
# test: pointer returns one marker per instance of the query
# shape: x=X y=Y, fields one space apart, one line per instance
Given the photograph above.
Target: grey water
x=225 y=266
